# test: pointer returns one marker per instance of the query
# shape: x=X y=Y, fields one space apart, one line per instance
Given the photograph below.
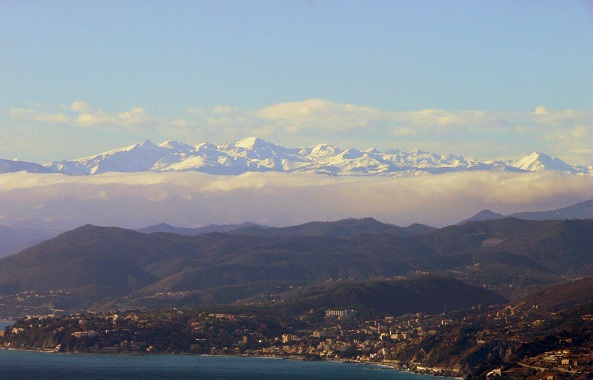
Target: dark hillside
x=510 y=256
x=563 y=247
x=426 y=294
x=104 y=257
x=315 y=258
x=560 y=297
x=115 y=261
x=461 y=238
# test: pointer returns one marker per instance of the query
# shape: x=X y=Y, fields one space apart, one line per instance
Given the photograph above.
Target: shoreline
x=381 y=365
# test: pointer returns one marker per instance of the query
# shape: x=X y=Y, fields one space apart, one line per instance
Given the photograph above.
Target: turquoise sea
x=40 y=365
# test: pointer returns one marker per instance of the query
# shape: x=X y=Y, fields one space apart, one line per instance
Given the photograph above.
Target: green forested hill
x=96 y=262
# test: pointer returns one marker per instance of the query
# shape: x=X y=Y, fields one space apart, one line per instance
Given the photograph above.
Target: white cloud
x=82 y=114
x=223 y=109
x=28 y=114
x=568 y=133
x=135 y=116
x=180 y=123
x=310 y=121
x=319 y=114
x=325 y=115
x=221 y=121
x=573 y=135
x=87 y=119
x=431 y=118
x=196 y=111
x=562 y=118
x=404 y=132
x=52 y=118
x=89 y=116
x=563 y=133
x=81 y=107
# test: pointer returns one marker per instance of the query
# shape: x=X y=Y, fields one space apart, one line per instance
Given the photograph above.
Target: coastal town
x=509 y=342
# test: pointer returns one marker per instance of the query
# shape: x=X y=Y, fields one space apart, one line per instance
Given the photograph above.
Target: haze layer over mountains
x=260 y=182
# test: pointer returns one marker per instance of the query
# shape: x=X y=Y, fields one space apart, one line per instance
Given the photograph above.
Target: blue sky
x=486 y=79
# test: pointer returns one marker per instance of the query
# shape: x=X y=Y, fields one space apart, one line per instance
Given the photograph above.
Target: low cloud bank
x=135 y=200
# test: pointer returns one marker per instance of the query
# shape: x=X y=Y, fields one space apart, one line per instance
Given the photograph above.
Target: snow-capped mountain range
x=256 y=155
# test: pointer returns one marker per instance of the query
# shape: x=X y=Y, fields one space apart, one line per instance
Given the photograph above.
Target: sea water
x=16 y=364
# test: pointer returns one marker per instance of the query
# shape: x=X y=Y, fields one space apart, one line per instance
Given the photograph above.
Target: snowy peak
x=176 y=145
x=144 y=145
x=147 y=144
x=323 y=150
x=206 y=147
x=133 y=158
x=254 y=147
x=253 y=154
x=350 y=154
x=539 y=161
x=253 y=143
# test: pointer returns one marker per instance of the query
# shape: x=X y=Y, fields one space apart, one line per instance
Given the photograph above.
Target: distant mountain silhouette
x=483 y=215
x=13 y=240
x=581 y=210
x=342 y=228
x=164 y=227
x=12 y=166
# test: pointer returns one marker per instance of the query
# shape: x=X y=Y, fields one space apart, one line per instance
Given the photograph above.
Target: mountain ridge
x=12 y=166
x=13 y=240
x=92 y=262
x=580 y=210
x=254 y=154
x=224 y=228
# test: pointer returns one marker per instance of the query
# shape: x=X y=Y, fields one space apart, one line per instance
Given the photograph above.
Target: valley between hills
x=499 y=296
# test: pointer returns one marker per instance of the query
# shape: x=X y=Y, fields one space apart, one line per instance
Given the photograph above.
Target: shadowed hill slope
x=428 y=294
x=111 y=262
